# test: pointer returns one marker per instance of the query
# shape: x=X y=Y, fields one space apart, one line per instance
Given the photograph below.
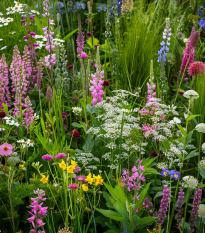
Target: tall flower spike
x=164 y=205
x=49 y=94
x=195 y=209
x=80 y=38
x=4 y=82
x=190 y=50
x=179 y=208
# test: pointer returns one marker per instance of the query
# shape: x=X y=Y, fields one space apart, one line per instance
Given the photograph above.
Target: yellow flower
x=62 y=165
x=21 y=165
x=44 y=179
x=74 y=163
x=98 y=180
x=89 y=179
x=70 y=169
x=84 y=187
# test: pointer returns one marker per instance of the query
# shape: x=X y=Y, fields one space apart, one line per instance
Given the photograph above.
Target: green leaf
x=166 y=144
x=1 y=172
x=142 y=222
x=116 y=192
x=150 y=170
x=182 y=130
x=91 y=110
x=121 y=209
x=146 y=163
x=70 y=34
x=92 y=41
x=202 y=171
x=89 y=144
x=76 y=125
x=111 y=214
x=189 y=118
x=192 y=154
x=5 y=107
x=13 y=161
x=108 y=201
x=188 y=138
x=56 y=32
x=142 y=196
x=39 y=25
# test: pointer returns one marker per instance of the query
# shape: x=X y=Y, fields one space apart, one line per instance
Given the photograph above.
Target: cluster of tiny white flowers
x=190 y=182
x=162 y=165
x=77 y=110
x=86 y=158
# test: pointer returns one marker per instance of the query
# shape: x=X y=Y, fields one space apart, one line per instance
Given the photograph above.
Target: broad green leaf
x=13 y=161
x=166 y=144
x=150 y=170
x=142 y=222
x=108 y=199
x=92 y=41
x=188 y=138
x=182 y=130
x=1 y=172
x=116 y=192
x=142 y=196
x=5 y=107
x=91 y=110
x=148 y=162
x=56 y=32
x=76 y=125
x=70 y=34
x=39 y=25
x=89 y=144
x=192 y=154
x=121 y=209
x=189 y=118
x=111 y=214
x=202 y=171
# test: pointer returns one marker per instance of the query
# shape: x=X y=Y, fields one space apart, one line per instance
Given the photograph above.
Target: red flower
x=106 y=84
x=64 y=115
x=75 y=134
x=2 y=114
x=154 y=154
x=181 y=92
x=70 y=67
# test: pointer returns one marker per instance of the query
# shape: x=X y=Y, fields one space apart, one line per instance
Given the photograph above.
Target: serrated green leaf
x=121 y=209
x=13 y=161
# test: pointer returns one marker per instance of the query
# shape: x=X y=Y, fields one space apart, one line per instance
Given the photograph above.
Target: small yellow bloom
x=21 y=165
x=98 y=180
x=88 y=209
x=85 y=187
x=62 y=165
x=44 y=179
x=70 y=169
x=89 y=179
x=74 y=163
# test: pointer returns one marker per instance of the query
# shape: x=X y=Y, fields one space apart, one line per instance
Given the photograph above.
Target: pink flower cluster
x=195 y=68
x=134 y=181
x=148 y=204
x=150 y=92
x=37 y=211
x=190 y=50
x=149 y=128
x=80 y=41
x=50 y=59
x=96 y=89
x=28 y=113
x=4 y=82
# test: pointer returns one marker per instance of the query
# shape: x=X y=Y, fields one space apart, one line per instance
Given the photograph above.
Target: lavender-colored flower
x=200 y=11
x=179 y=208
x=81 y=178
x=77 y=169
x=87 y=21
x=195 y=209
x=80 y=40
x=164 y=205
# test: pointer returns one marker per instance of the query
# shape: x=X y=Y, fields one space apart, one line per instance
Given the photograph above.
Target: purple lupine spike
x=179 y=208
x=164 y=205
x=190 y=49
x=195 y=209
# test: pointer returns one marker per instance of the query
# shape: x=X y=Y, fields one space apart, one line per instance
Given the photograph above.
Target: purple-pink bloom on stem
x=61 y=155
x=47 y=157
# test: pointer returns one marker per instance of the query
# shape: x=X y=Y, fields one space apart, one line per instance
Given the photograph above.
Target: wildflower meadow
x=102 y=116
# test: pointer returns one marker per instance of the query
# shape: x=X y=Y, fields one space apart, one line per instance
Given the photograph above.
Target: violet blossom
x=179 y=208
x=37 y=211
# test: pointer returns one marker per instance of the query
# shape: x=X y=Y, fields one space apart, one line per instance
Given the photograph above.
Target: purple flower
x=81 y=178
x=87 y=20
x=106 y=84
x=84 y=55
x=61 y=155
x=195 y=209
x=89 y=34
x=176 y=175
x=73 y=186
x=179 y=208
x=164 y=172
x=47 y=157
x=77 y=169
x=164 y=205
